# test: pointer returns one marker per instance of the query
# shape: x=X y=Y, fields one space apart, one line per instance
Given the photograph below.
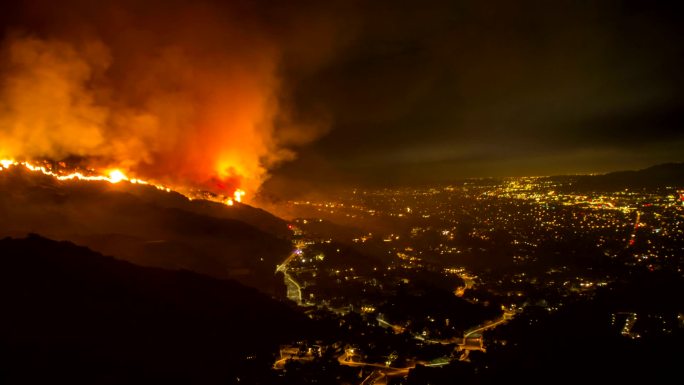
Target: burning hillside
x=61 y=171
x=185 y=94
x=143 y=223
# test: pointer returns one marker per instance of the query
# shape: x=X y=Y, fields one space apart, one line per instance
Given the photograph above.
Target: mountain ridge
x=656 y=176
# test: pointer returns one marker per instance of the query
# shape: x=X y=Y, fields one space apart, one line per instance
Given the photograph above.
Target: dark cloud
x=443 y=90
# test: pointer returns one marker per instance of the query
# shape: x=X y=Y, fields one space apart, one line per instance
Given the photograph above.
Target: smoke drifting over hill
x=190 y=96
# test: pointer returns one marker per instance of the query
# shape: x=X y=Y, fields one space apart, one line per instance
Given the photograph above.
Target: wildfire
x=112 y=176
x=237 y=197
x=116 y=176
x=189 y=101
x=238 y=194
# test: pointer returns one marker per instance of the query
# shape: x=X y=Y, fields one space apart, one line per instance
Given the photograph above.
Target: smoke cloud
x=186 y=94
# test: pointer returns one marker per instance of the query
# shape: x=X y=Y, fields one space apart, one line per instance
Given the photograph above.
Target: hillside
x=663 y=175
x=147 y=226
x=70 y=314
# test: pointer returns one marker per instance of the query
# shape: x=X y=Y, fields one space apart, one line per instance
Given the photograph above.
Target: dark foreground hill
x=147 y=226
x=70 y=315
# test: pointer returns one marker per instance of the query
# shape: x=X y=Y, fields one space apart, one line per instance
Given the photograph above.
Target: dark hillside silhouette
x=70 y=315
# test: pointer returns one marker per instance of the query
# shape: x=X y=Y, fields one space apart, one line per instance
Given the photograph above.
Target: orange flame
x=112 y=176
x=202 y=121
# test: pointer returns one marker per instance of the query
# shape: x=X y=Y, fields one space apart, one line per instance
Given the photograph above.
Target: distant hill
x=70 y=315
x=148 y=226
x=664 y=175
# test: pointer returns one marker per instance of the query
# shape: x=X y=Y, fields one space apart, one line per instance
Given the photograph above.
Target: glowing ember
x=116 y=176
x=238 y=194
x=113 y=176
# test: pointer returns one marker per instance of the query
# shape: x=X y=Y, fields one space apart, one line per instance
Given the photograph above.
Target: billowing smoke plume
x=180 y=93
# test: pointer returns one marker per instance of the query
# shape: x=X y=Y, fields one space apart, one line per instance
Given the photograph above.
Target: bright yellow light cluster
x=238 y=194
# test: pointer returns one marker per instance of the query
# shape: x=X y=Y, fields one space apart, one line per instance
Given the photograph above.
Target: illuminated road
x=462 y=342
x=632 y=237
x=291 y=353
x=486 y=326
x=389 y=370
x=294 y=289
x=397 y=329
x=468 y=280
x=299 y=247
x=379 y=376
x=507 y=315
x=280 y=364
x=373 y=378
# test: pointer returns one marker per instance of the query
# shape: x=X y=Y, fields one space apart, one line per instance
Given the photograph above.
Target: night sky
x=394 y=92
x=430 y=93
